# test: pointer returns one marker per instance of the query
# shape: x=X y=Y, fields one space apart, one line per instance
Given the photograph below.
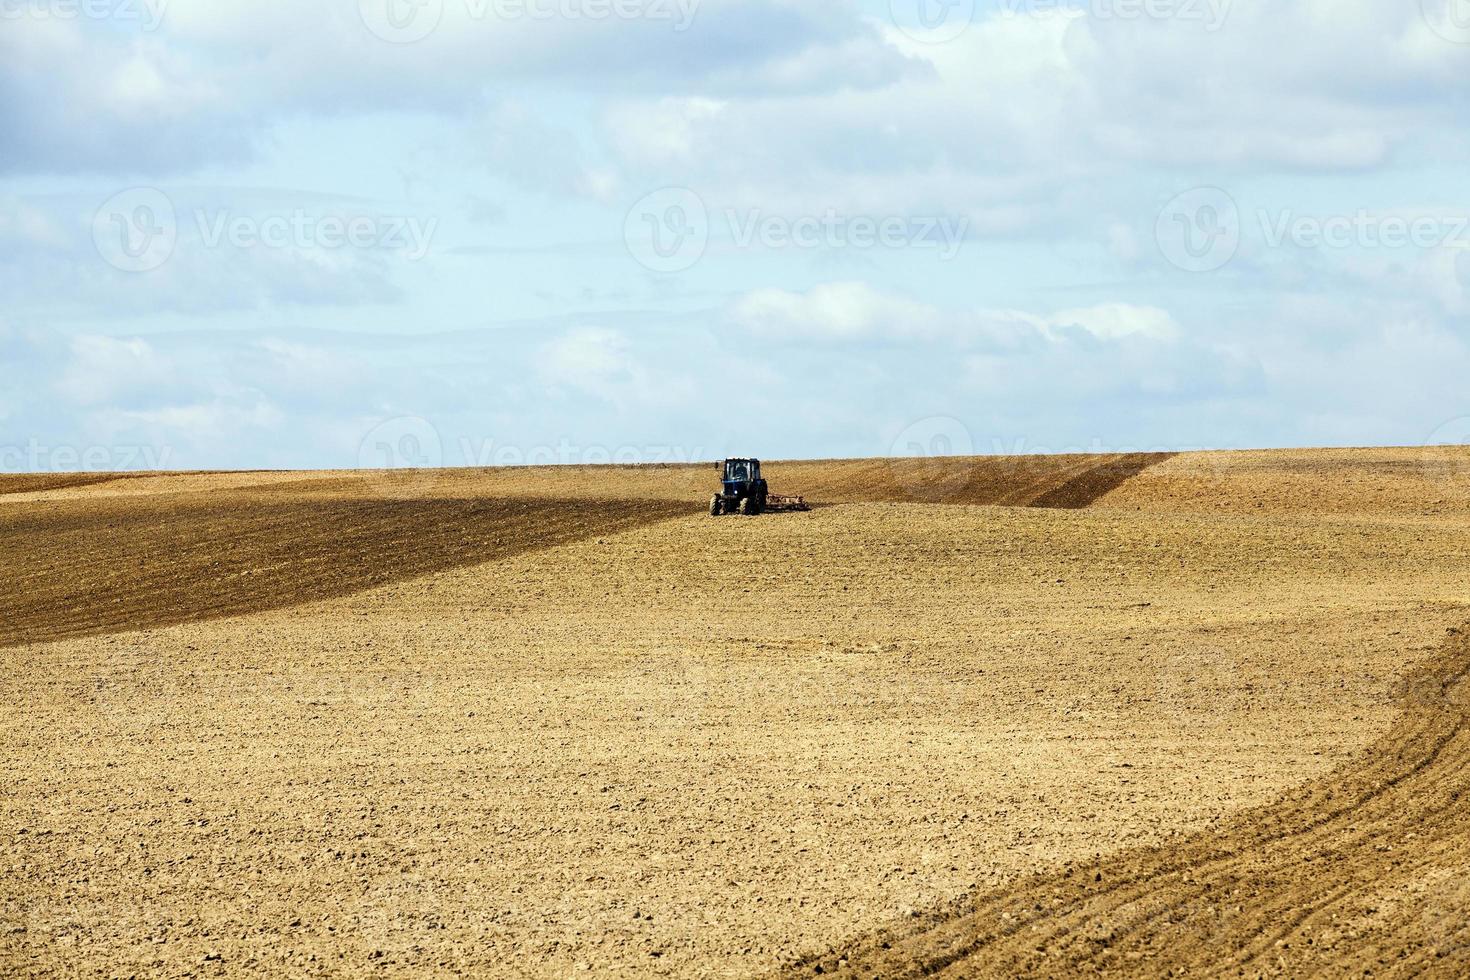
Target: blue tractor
x=742 y=491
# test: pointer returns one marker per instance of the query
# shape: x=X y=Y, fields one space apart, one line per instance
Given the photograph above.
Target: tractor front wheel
x=747 y=506
x=716 y=505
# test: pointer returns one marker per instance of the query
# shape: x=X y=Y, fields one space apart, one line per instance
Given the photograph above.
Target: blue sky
x=310 y=233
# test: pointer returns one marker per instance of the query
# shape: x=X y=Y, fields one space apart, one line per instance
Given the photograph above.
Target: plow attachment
x=780 y=502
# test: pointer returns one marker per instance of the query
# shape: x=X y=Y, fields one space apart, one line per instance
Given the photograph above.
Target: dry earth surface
x=1197 y=714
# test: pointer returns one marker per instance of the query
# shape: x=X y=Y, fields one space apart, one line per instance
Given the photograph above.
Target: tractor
x=742 y=491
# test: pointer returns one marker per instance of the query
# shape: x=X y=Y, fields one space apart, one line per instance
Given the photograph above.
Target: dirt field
x=1198 y=713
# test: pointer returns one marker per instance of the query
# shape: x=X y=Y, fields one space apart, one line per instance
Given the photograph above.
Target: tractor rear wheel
x=716 y=505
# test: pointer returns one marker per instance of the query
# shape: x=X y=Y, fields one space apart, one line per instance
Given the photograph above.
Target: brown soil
x=92 y=567
x=1066 y=481
x=531 y=722
x=1360 y=873
x=1426 y=481
x=40 y=482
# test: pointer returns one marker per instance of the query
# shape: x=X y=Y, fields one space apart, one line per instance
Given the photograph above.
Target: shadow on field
x=105 y=565
x=1055 y=481
x=1087 y=487
x=11 y=483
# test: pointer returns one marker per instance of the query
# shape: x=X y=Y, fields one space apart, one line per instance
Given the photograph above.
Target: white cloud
x=1113 y=321
x=1062 y=133
x=217 y=74
x=1039 y=123
x=848 y=312
x=845 y=311
x=591 y=357
x=107 y=369
x=198 y=422
x=520 y=146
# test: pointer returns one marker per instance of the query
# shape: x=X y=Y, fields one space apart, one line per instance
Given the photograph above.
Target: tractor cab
x=738 y=476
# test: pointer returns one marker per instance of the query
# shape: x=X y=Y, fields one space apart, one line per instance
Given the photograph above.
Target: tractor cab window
x=737 y=470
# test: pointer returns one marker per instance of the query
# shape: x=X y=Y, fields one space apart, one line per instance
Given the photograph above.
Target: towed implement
x=742 y=491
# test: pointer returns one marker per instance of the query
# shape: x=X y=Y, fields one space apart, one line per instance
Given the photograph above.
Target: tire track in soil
x=1265 y=893
x=91 y=567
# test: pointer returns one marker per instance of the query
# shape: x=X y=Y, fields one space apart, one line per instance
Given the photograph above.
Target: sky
x=332 y=233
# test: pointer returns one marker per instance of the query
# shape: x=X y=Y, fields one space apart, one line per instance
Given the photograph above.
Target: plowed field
x=1199 y=714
